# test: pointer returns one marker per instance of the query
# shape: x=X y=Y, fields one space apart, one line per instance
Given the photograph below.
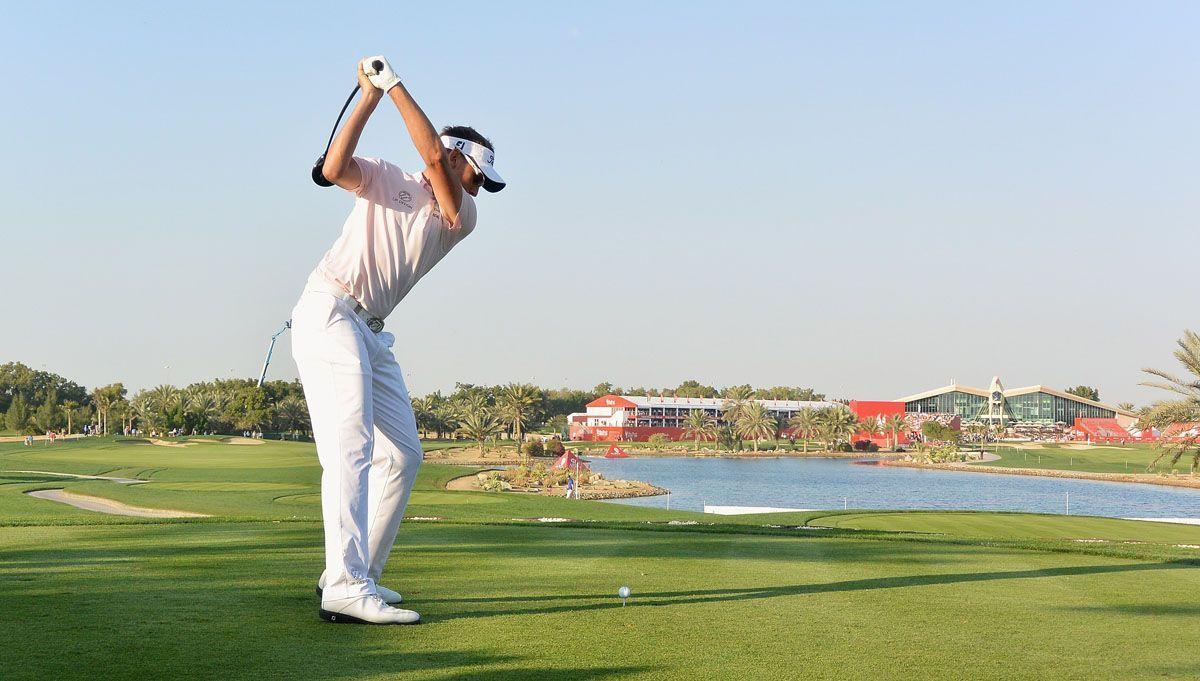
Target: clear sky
x=868 y=198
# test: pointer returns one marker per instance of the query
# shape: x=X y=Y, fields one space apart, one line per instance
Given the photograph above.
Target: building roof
x=631 y=401
x=1014 y=392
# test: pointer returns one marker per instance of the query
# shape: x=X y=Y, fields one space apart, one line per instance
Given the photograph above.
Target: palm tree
x=1127 y=406
x=423 y=414
x=203 y=406
x=895 y=425
x=1186 y=407
x=700 y=425
x=805 y=422
x=838 y=423
x=755 y=422
x=736 y=398
x=870 y=426
x=69 y=406
x=517 y=404
x=293 y=412
x=479 y=425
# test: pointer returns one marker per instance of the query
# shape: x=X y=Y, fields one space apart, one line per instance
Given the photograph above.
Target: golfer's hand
x=368 y=88
x=384 y=78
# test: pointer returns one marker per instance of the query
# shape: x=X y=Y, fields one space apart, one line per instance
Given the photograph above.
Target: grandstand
x=1102 y=431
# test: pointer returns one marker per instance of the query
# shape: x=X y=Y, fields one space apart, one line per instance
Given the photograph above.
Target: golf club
x=318 y=174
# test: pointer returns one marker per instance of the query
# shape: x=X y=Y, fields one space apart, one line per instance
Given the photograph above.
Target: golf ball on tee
x=623 y=592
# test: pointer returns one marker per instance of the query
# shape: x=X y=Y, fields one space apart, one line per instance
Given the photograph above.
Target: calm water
x=834 y=483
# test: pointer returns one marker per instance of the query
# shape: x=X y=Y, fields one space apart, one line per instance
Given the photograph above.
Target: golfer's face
x=473 y=181
x=471 y=178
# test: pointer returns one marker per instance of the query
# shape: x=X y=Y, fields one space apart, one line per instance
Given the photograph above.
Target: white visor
x=483 y=159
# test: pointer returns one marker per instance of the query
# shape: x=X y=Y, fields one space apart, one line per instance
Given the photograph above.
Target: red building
x=881 y=411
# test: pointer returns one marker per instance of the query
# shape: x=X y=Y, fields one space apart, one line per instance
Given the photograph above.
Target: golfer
x=401 y=225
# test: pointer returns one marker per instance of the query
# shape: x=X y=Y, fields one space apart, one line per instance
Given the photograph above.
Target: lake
x=840 y=483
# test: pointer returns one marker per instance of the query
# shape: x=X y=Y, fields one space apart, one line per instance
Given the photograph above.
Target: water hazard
x=840 y=483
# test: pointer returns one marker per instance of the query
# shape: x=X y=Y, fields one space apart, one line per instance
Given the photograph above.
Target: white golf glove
x=384 y=78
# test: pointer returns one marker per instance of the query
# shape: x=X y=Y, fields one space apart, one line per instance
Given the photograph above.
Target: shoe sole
x=341 y=618
x=321 y=594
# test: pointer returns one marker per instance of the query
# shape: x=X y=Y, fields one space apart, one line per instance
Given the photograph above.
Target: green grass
x=872 y=595
x=1131 y=458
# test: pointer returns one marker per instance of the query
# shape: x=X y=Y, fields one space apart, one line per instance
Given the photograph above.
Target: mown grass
x=876 y=595
x=1130 y=458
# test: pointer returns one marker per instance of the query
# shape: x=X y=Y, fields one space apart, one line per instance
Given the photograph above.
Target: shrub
x=843 y=447
x=944 y=453
x=533 y=448
x=554 y=448
x=493 y=482
x=659 y=440
x=865 y=446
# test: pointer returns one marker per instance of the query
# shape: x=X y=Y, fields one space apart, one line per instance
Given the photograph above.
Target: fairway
x=880 y=595
x=1128 y=458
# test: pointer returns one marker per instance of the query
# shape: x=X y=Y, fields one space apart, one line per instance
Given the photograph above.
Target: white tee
x=392 y=238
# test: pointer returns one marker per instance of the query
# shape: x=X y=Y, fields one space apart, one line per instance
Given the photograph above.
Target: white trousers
x=366 y=435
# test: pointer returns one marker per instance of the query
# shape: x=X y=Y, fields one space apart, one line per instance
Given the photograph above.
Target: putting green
x=872 y=595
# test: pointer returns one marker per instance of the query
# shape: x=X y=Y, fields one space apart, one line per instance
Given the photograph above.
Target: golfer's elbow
x=333 y=171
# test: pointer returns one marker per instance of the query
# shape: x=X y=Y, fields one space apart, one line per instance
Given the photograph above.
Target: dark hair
x=468 y=133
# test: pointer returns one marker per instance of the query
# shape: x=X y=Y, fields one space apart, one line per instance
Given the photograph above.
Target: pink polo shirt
x=392 y=238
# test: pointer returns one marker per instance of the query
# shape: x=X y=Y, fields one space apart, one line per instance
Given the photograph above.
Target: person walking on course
x=401 y=225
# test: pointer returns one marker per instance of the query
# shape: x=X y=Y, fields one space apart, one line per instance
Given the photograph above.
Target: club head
x=317 y=175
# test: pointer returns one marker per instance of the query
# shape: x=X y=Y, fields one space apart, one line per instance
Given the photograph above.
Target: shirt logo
x=404 y=199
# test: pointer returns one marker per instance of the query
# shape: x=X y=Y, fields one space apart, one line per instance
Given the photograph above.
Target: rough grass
x=876 y=595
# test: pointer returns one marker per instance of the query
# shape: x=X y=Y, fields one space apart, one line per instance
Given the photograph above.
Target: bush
x=843 y=447
x=865 y=446
x=727 y=440
x=945 y=453
x=554 y=448
x=533 y=448
x=659 y=440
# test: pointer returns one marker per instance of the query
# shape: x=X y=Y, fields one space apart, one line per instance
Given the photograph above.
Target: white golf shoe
x=390 y=597
x=368 y=609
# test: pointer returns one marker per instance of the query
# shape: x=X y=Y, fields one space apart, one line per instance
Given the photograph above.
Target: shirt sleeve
x=372 y=169
x=463 y=225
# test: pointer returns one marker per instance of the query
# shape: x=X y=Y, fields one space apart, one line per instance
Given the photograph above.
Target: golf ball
x=623 y=592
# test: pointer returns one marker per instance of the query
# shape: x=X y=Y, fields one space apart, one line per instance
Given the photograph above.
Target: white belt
x=318 y=283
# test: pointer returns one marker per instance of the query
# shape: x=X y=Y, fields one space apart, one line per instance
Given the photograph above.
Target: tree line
x=37 y=401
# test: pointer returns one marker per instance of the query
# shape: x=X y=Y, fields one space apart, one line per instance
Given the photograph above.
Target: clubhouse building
x=1032 y=412
x=633 y=418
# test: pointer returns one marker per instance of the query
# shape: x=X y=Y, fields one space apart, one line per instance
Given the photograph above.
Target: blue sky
x=868 y=198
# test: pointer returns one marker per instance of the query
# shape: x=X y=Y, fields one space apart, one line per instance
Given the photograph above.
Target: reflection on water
x=838 y=483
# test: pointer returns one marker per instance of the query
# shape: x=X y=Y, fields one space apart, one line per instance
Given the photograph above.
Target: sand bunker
x=100 y=505
x=241 y=441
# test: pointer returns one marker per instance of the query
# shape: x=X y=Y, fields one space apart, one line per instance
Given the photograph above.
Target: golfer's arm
x=437 y=159
x=340 y=167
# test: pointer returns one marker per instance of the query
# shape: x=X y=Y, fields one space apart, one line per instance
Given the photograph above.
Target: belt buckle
x=375 y=324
